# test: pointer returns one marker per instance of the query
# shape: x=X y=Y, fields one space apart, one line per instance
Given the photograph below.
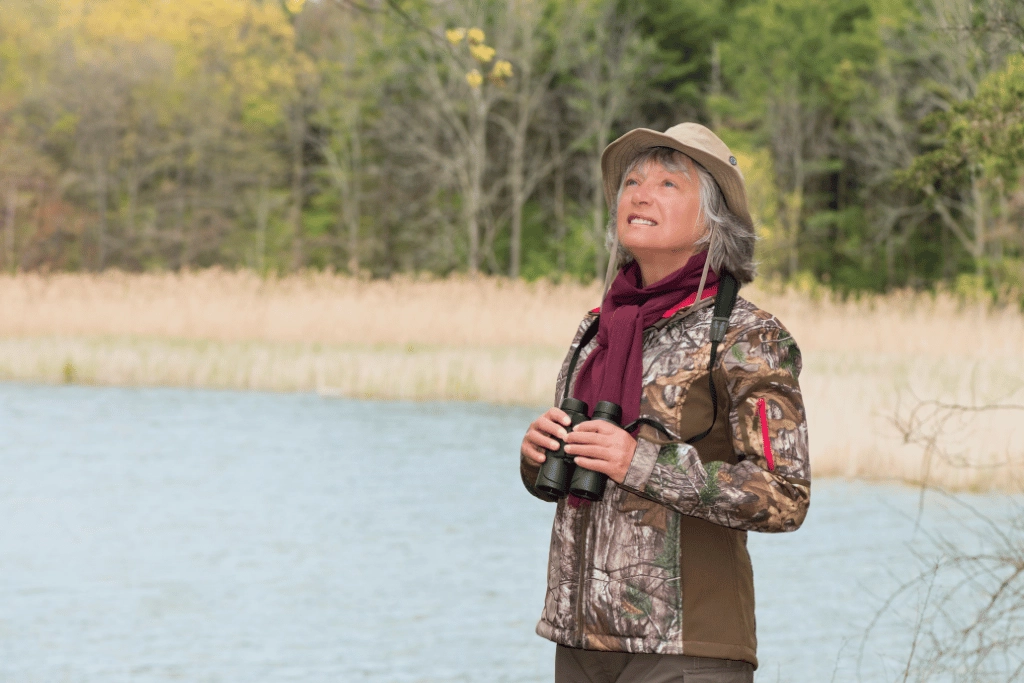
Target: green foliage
x=811 y=51
x=983 y=135
x=541 y=259
x=684 y=32
x=882 y=140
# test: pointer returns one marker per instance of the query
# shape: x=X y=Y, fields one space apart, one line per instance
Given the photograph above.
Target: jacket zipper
x=583 y=521
x=766 y=441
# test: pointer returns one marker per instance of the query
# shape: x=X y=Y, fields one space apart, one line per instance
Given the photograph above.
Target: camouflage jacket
x=660 y=564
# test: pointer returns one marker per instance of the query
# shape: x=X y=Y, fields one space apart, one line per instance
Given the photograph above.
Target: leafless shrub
x=934 y=425
x=938 y=428
x=966 y=607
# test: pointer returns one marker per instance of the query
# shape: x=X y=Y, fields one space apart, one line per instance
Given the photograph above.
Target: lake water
x=174 y=535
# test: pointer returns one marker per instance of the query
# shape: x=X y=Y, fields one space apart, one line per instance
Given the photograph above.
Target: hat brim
x=619 y=154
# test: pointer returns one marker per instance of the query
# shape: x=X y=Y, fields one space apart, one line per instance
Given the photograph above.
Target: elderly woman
x=649 y=579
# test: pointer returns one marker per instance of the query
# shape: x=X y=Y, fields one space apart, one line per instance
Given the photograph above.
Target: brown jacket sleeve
x=768 y=489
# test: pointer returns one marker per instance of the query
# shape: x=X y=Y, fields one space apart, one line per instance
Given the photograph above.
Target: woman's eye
x=631 y=181
x=669 y=183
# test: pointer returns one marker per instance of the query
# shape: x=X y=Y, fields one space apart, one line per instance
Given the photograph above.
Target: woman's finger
x=532 y=451
x=597 y=426
x=558 y=415
x=601 y=451
x=541 y=440
x=549 y=426
x=588 y=437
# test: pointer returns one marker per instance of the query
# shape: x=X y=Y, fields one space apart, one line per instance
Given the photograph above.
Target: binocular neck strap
x=650 y=422
x=725 y=300
x=587 y=337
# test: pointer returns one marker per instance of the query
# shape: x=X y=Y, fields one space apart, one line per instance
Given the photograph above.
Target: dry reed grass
x=501 y=341
x=311 y=308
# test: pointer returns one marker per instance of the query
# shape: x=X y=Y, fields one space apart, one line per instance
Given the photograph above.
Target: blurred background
x=271 y=270
x=881 y=139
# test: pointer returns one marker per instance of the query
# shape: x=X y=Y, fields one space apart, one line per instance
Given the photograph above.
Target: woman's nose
x=640 y=194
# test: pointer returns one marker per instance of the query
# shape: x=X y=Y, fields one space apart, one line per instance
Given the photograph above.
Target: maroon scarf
x=614 y=370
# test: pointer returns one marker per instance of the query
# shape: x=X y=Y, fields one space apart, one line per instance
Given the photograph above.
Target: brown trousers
x=589 y=666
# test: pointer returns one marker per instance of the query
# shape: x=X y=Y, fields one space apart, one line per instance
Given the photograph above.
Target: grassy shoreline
x=867 y=363
x=521 y=376
x=851 y=399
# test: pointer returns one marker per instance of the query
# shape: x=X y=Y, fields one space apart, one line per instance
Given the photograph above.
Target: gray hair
x=732 y=246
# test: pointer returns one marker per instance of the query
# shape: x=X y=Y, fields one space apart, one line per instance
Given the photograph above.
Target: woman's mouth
x=640 y=220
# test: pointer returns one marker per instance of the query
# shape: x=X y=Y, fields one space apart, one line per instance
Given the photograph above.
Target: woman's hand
x=542 y=435
x=602 y=447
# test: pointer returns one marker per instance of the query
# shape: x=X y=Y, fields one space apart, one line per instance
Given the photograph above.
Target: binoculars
x=559 y=475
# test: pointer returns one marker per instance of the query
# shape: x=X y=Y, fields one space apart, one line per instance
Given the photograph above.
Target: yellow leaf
x=502 y=69
x=482 y=53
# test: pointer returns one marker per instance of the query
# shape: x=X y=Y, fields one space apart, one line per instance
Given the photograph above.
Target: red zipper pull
x=762 y=411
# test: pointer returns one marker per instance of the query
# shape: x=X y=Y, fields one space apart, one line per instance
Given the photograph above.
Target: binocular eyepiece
x=559 y=475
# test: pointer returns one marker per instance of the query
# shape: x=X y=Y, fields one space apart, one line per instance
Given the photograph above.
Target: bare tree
x=341 y=40
x=22 y=171
x=614 y=57
x=539 y=52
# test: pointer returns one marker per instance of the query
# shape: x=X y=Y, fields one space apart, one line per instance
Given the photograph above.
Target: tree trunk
x=10 y=213
x=518 y=183
x=262 y=215
x=890 y=259
x=100 y=185
x=297 y=194
x=1002 y=232
x=133 y=202
x=716 y=85
x=978 y=251
x=478 y=128
x=598 y=224
x=352 y=210
x=516 y=188
x=795 y=201
x=947 y=262
x=559 y=200
x=179 y=215
x=794 y=209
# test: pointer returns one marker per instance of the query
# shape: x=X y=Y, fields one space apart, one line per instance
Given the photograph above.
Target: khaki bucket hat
x=693 y=140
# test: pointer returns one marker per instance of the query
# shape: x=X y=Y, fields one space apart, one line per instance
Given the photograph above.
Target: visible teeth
x=641 y=221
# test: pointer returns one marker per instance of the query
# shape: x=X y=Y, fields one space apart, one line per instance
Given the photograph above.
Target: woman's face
x=658 y=213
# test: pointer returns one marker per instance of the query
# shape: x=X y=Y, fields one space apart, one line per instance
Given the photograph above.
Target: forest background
x=882 y=140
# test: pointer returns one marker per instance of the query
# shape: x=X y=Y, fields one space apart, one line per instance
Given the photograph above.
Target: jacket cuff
x=644 y=458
